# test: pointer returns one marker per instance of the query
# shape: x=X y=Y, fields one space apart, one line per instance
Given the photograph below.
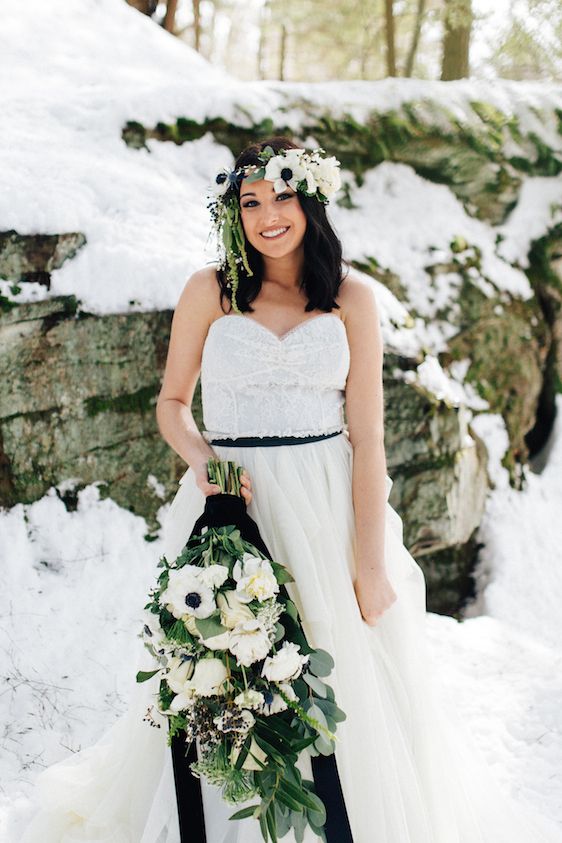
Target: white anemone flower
x=285 y=171
x=220 y=183
x=186 y=595
x=255 y=579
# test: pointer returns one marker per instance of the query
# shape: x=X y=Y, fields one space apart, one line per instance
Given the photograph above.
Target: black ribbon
x=221 y=510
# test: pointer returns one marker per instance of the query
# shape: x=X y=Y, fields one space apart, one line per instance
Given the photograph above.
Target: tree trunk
x=147 y=7
x=390 y=51
x=456 y=40
x=282 y=52
x=415 y=39
x=264 y=17
x=170 y=16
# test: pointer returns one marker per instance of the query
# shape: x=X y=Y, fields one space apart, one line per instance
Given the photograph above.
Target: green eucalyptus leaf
x=244 y=813
x=211 y=626
x=145 y=675
x=320 y=663
x=316 y=684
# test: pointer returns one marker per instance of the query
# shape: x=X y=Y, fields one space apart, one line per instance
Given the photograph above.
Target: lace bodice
x=254 y=383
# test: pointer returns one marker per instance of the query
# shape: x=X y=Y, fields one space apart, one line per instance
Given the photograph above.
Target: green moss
x=140 y=401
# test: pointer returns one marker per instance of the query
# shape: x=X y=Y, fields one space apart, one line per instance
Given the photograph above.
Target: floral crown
x=307 y=172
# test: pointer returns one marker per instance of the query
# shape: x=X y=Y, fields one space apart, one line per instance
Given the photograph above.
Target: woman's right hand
x=202 y=481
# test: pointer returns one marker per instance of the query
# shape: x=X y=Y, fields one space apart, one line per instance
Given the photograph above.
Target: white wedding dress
x=409 y=771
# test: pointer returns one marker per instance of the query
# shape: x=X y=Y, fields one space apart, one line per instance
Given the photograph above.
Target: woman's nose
x=270 y=215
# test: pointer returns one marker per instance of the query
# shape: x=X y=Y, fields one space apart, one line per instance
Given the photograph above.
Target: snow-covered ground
x=75 y=582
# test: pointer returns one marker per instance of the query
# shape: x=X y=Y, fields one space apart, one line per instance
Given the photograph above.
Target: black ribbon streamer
x=221 y=510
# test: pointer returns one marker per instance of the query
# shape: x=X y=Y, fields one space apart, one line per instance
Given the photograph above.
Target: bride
x=298 y=341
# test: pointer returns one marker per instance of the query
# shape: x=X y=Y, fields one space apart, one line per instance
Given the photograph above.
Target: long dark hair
x=323 y=263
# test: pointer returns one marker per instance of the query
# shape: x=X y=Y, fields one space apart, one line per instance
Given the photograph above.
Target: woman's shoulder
x=201 y=290
x=354 y=295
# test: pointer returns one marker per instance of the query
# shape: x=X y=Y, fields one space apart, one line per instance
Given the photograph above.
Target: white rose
x=249 y=642
x=285 y=664
x=179 y=674
x=182 y=701
x=327 y=174
x=217 y=642
x=187 y=595
x=249 y=699
x=233 y=611
x=214 y=576
x=250 y=762
x=209 y=677
x=255 y=579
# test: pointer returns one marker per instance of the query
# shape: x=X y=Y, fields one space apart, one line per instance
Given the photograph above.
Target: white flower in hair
x=221 y=183
x=285 y=171
x=327 y=174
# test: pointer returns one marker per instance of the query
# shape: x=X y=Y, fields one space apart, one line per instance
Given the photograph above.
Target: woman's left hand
x=246 y=486
x=374 y=595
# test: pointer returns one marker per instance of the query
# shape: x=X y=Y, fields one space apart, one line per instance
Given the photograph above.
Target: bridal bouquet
x=236 y=672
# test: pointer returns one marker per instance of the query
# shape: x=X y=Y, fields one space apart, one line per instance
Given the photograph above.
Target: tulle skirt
x=410 y=771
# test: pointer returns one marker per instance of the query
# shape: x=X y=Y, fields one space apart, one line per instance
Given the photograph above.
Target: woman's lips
x=277 y=236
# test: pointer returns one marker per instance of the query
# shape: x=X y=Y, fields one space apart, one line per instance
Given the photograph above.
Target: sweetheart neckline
x=275 y=336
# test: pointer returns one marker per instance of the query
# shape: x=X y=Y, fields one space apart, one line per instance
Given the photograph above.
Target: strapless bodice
x=254 y=383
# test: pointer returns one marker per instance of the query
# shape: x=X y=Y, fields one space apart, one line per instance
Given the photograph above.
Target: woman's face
x=274 y=223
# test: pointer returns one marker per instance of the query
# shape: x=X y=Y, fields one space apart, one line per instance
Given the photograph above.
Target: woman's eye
x=286 y=195
x=248 y=204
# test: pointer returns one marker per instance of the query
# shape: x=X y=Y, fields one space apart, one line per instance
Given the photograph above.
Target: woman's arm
x=365 y=419
x=192 y=317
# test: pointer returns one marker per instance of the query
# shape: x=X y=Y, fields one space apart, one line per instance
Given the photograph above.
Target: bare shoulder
x=358 y=303
x=200 y=294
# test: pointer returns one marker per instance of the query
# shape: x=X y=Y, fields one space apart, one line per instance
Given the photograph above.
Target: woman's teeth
x=277 y=233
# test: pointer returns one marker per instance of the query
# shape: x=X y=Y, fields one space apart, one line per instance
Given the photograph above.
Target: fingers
x=211 y=489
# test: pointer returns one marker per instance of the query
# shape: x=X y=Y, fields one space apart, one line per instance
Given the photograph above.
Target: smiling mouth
x=275 y=234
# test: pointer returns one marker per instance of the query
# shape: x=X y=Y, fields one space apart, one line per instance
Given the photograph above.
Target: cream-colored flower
x=182 y=701
x=232 y=610
x=217 y=642
x=255 y=579
x=209 y=678
x=249 y=699
x=286 y=664
x=249 y=642
x=180 y=671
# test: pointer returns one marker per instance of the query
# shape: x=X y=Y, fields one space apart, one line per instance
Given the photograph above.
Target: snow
x=538 y=209
x=75 y=582
x=143 y=212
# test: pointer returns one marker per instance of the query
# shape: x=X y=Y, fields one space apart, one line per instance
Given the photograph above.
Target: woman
x=280 y=337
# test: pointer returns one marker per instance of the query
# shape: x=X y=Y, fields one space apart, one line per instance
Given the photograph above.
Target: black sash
x=220 y=510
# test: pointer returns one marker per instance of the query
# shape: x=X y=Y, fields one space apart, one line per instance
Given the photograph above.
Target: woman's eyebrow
x=247 y=194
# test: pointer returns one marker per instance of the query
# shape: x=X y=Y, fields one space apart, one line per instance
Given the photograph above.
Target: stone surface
x=77 y=404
